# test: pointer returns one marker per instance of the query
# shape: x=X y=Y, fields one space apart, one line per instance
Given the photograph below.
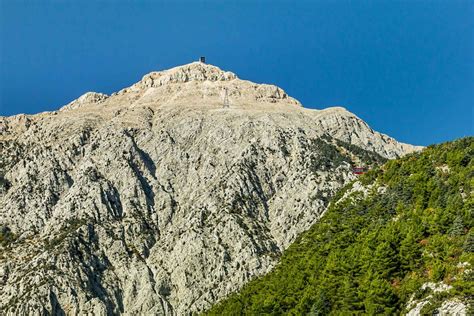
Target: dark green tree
x=410 y=251
x=385 y=261
x=457 y=228
x=321 y=306
x=380 y=298
x=469 y=242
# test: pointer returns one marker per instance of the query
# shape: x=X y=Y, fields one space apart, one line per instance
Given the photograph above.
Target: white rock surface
x=157 y=200
x=450 y=307
x=453 y=308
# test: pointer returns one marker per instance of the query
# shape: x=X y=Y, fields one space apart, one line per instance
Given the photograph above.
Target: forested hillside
x=398 y=227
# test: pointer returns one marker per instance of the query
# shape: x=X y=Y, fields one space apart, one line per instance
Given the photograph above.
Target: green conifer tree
x=380 y=298
x=457 y=228
x=410 y=251
x=469 y=243
x=321 y=306
x=385 y=261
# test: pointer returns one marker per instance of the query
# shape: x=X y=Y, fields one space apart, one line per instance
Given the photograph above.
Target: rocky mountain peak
x=195 y=71
x=158 y=199
x=197 y=84
x=203 y=85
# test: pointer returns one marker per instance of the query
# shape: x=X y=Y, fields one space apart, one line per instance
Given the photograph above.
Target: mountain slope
x=399 y=238
x=158 y=200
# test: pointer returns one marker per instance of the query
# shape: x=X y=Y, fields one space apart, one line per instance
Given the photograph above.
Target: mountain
x=399 y=239
x=168 y=195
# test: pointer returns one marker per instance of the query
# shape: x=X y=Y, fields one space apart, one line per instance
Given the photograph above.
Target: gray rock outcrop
x=156 y=200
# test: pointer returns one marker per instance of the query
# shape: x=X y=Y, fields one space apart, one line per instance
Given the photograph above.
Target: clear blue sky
x=405 y=67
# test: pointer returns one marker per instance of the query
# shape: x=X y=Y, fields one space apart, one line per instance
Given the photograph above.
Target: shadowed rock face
x=157 y=200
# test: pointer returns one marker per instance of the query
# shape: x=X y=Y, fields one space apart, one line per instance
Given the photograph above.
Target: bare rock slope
x=159 y=200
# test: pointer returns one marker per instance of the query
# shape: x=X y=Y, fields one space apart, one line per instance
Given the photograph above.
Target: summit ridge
x=195 y=71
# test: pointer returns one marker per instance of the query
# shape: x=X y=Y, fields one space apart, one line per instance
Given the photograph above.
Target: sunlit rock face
x=157 y=199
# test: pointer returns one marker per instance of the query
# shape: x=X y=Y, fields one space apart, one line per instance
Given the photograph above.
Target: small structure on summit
x=202 y=59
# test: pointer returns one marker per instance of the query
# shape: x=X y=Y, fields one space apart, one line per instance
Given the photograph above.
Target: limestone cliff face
x=157 y=200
